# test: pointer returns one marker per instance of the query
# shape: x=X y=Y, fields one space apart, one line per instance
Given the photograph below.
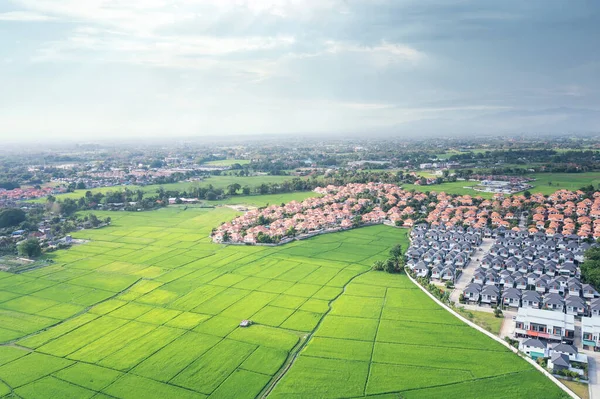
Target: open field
x=486 y=320
x=569 y=181
x=457 y=187
x=216 y=181
x=228 y=162
x=581 y=389
x=262 y=200
x=150 y=308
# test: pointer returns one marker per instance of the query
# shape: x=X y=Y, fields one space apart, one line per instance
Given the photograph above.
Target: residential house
x=521 y=283
x=575 y=305
x=472 y=292
x=534 y=348
x=554 y=302
x=589 y=292
x=511 y=297
x=490 y=294
x=558 y=362
x=531 y=299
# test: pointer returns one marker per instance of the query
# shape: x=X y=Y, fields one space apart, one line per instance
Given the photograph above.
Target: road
x=593 y=364
x=467 y=274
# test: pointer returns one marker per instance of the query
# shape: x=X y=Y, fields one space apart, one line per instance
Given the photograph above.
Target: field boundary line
x=390 y=363
x=375 y=341
x=439 y=385
x=80 y=313
x=496 y=338
x=293 y=356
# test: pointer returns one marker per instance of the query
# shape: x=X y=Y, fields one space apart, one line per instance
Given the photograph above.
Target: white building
x=590 y=332
x=545 y=324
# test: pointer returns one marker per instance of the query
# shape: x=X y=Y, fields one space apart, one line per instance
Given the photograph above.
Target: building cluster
x=441 y=253
x=500 y=186
x=533 y=271
x=564 y=212
x=340 y=207
x=20 y=194
x=544 y=334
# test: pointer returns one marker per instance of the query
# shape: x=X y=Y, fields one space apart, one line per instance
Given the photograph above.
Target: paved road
x=593 y=364
x=467 y=274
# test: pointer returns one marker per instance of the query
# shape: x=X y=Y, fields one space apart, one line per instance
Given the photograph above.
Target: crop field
x=458 y=187
x=216 y=181
x=545 y=183
x=150 y=307
x=228 y=162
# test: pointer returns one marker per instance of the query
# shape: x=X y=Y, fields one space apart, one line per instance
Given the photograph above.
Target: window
x=557 y=330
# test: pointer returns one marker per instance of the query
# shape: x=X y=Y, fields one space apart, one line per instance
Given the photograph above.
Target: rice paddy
x=151 y=308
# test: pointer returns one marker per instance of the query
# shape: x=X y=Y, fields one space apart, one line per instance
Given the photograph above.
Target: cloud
x=23 y=16
x=382 y=54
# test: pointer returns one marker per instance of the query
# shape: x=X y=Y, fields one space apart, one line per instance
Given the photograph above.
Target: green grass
x=228 y=162
x=569 y=181
x=216 y=181
x=151 y=308
x=582 y=390
x=484 y=319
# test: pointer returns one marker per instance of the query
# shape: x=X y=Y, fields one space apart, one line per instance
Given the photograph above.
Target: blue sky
x=143 y=68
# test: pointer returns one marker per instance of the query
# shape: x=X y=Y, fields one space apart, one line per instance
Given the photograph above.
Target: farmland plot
x=151 y=308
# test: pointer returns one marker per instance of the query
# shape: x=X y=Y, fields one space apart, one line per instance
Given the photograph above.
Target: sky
x=104 y=69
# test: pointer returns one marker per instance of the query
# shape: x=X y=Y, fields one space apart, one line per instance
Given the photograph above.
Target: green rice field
x=559 y=181
x=216 y=181
x=228 y=162
x=150 y=308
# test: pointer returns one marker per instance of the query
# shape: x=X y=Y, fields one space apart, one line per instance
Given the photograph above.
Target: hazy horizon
x=155 y=68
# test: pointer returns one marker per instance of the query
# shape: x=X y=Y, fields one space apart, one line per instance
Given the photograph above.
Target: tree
x=226 y=236
x=390 y=266
x=12 y=217
x=291 y=231
x=378 y=265
x=30 y=248
x=80 y=186
x=246 y=190
x=233 y=188
x=590 y=268
x=497 y=312
x=157 y=163
x=94 y=220
x=396 y=257
x=211 y=195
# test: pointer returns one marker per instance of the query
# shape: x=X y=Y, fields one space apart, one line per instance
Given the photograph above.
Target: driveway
x=508 y=324
x=467 y=273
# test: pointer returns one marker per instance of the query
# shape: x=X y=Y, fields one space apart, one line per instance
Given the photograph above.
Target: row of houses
x=530 y=271
x=442 y=253
x=491 y=295
x=546 y=325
